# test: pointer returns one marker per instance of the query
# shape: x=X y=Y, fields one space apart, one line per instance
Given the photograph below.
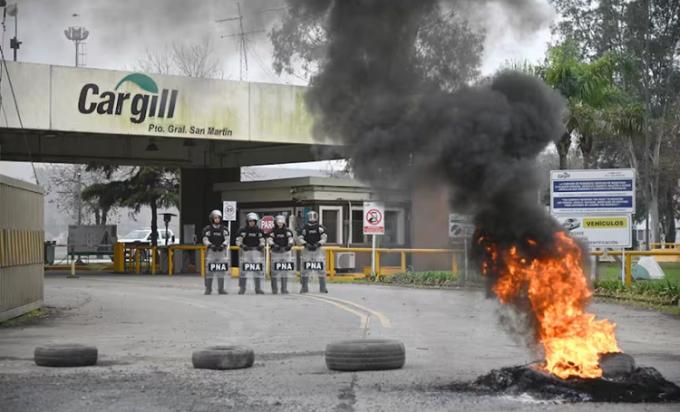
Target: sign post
x=595 y=205
x=461 y=227
x=229 y=213
x=374 y=224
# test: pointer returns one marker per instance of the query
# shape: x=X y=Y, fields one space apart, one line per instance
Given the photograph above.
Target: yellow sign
x=605 y=223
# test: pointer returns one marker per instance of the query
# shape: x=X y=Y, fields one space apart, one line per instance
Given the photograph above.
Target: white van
x=144 y=236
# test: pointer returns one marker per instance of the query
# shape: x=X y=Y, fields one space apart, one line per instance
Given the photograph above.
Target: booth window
x=395 y=227
x=331 y=219
x=357 y=226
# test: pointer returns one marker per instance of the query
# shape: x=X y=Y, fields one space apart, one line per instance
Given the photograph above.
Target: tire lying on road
x=223 y=357
x=65 y=355
x=365 y=355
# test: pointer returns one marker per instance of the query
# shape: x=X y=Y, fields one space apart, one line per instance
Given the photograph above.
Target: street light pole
x=13 y=11
x=77 y=35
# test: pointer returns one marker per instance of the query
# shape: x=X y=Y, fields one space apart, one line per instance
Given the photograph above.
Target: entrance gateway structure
x=207 y=128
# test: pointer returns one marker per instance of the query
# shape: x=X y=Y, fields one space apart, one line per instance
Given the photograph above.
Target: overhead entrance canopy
x=79 y=115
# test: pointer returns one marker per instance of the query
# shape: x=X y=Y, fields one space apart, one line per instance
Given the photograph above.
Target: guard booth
x=21 y=247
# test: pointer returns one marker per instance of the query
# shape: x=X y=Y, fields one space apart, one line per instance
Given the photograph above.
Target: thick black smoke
x=480 y=141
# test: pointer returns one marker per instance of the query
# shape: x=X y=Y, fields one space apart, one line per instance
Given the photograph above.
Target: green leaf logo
x=142 y=80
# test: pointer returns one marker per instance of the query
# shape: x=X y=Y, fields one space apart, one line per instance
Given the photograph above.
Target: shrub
x=662 y=292
x=432 y=278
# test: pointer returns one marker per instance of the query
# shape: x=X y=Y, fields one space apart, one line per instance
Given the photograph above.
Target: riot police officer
x=281 y=241
x=251 y=241
x=313 y=259
x=216 y=237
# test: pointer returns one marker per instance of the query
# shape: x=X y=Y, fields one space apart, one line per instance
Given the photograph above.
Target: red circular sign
x=374 y=217
x=267 y=224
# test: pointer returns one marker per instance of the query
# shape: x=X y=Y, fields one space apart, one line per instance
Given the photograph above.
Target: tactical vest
x=312 y=233
x=280 y=236
x=214 y=234
x=251 y=236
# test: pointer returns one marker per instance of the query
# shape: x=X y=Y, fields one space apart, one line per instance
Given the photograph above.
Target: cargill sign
x=85 y=100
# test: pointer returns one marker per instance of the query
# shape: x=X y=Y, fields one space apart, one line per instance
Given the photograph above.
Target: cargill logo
x=139 y=106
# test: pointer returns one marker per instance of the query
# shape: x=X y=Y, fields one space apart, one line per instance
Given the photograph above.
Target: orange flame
x=558 y=293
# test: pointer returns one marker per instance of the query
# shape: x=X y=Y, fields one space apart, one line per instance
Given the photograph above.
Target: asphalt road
x=147 y=327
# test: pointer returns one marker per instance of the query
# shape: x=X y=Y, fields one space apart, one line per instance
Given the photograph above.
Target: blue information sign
x=599 y=191
x=576 y=186
x=593 y=202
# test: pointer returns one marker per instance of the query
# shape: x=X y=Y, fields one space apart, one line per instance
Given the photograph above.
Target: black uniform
x=281 y=239
x=313 y=236
x=312 y=233
x=216 y=238
x=251 y=238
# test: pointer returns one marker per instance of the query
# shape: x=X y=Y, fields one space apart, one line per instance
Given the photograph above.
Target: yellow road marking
x=384 y=320
x=363 y=317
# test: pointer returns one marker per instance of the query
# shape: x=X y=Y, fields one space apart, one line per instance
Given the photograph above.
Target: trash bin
x=50 y=246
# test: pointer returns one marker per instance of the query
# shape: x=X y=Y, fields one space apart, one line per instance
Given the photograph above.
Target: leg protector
x=284 y=285
x=220 y=286
x=322 y=284
x=241 y=285
x=258 y=288
x=208 y=284
x=304 y=280
x=274 y=286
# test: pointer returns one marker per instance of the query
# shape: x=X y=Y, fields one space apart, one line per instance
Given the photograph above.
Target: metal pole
x=16 y=31
x=373 y=256
x=78 y=195
x=623 y=266
x=465 y=273
x=76 y=43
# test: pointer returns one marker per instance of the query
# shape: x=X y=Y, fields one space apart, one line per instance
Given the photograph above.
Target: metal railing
x=664 y=245
x=379 y=252
x=627 y=256
x=128 y=257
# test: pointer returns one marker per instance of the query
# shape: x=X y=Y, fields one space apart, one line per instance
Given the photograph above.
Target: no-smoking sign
x=374 y=221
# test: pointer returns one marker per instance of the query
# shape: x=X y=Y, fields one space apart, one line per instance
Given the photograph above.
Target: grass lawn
x=612 y=271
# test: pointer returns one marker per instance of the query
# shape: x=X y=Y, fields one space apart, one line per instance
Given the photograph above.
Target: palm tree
x=589 y=89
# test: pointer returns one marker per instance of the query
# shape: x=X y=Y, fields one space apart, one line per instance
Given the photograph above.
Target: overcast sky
x=122 y=30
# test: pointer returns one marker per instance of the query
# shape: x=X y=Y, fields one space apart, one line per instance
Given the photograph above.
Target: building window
x=391 y=227
x=358 y=226
x=395 y=227
x=331 y=218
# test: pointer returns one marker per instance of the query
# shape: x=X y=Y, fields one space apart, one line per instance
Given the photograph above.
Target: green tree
x=154 y=187
x=647 y=33
x=140 y=186
x=591 y=94
x=105 y=197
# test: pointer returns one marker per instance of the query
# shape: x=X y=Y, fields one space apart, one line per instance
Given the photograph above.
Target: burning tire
x=65 y=355
x=616 y=364
x=223 y=357
x=365 y=354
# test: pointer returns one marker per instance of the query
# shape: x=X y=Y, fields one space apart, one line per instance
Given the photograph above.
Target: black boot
x=208 y=285
x=258 y=289
x=304 y=280
x=274 y=286
x=220 y=286
x=322 y=284
x=241 y=286
x=284 y=285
